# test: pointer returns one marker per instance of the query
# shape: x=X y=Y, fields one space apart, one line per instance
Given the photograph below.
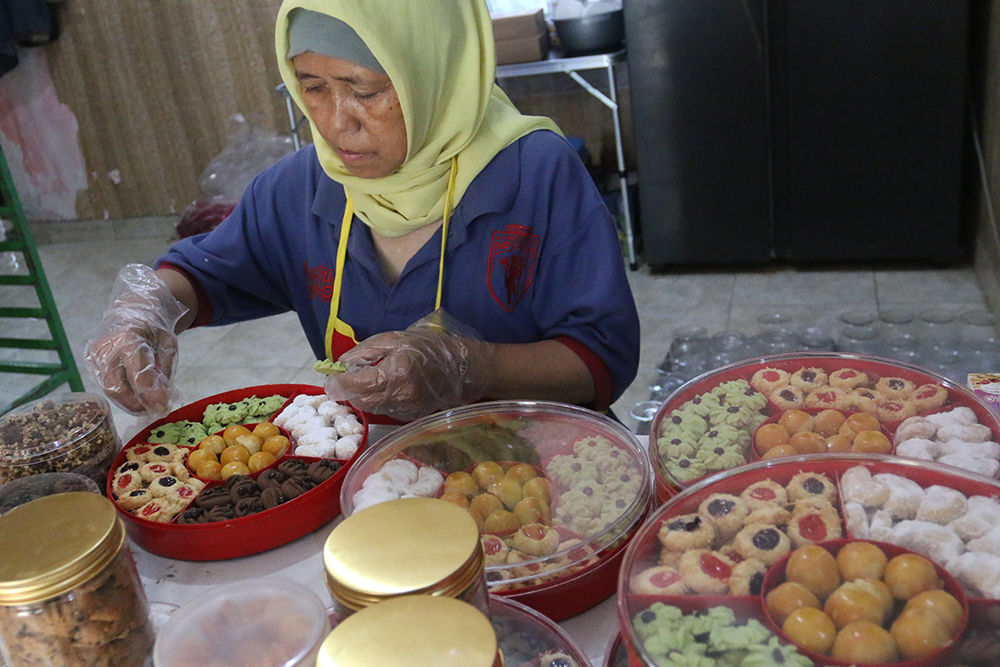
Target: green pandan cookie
x=709 y=619
x=775 y=654
x=685 y=468
x=677 y=447
x=659 y=616
x=191 y=433
x=683 y=423
x=701 y=405
x=738 y=636
x=721 y=458
x=167 y=433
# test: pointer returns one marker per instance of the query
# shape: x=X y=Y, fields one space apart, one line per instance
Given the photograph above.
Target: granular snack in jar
x=65 y=433
x=70 y=594
x=413 y=631
x=401 y=547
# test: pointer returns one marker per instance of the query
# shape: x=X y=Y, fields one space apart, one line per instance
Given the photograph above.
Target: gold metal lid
x=413 y=631
x=56 y=543
x=401 y=547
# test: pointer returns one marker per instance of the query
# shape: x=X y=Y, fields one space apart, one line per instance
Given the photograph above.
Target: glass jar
x=402 y=547
x=413 y=631
x=263 y=621
x=70 y=594
x=64 y=433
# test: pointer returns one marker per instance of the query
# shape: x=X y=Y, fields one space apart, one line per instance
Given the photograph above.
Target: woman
x=414 y=141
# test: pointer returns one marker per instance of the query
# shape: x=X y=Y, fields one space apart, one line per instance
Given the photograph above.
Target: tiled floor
x=273 y=350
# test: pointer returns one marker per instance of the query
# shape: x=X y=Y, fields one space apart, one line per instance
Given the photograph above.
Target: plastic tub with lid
x=70 y=432
x=26 y=489
x=708 y=424
x=250 y=622
x=699 y=563
x=556 y=490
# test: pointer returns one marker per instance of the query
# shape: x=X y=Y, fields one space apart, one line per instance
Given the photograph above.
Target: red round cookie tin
x=698 y=569
x=317 y=503
x=557 y=491
x=708 y=425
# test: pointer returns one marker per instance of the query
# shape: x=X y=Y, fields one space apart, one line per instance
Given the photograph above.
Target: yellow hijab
x=439 y=55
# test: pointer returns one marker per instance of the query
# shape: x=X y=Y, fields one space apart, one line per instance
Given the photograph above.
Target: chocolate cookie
x=193 y=515
x=214 y=496
x=244 y=489
x=221 y=513
x=248 y=506
x=272 y=497
x=322 y=470
x=270 y=477
x=293 y=487
x=292 y=467
x=236 y=479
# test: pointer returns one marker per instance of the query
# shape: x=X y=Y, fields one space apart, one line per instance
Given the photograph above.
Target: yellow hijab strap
x=333 y=323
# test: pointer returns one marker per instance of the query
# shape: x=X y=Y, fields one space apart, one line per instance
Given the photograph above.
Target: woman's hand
x=435 y=364
x=132 y=353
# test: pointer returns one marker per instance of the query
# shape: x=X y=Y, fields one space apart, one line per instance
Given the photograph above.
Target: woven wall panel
x=154 y=86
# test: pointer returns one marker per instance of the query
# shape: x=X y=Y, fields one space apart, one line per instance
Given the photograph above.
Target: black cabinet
x=798 y=129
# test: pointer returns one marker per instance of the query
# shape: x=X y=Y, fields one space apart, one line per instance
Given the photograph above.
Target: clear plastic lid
x=580 y=479
x=235 y=624
x=530 y=639
x=708 y=425
x=24 y=490
x=54 y=426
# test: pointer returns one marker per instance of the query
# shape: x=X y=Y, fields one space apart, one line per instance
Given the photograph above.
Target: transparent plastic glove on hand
x=436 y=363
x=132 y=353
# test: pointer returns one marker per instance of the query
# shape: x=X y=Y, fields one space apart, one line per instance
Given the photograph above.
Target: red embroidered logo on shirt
x=513 y=255
x=320 y=281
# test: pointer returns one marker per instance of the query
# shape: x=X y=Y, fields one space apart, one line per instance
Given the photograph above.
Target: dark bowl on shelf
x=596 y=33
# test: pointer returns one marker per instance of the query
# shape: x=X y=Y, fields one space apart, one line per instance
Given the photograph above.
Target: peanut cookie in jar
x=84 y=604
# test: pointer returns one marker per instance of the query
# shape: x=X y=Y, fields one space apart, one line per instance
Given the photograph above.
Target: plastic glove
x=436 y=363
x=133 y=351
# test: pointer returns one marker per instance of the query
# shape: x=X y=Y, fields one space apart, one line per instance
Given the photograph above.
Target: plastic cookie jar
x=69 y=590
x=696 y=577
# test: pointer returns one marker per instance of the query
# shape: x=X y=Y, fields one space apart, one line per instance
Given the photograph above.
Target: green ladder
x=19 y=240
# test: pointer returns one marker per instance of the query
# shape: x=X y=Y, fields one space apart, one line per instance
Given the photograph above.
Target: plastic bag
x=250 y=150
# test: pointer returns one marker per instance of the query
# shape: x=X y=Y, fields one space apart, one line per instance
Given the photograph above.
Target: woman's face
x=356 y=111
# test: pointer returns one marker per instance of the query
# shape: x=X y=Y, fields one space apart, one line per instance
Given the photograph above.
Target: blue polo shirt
x=532 y=255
